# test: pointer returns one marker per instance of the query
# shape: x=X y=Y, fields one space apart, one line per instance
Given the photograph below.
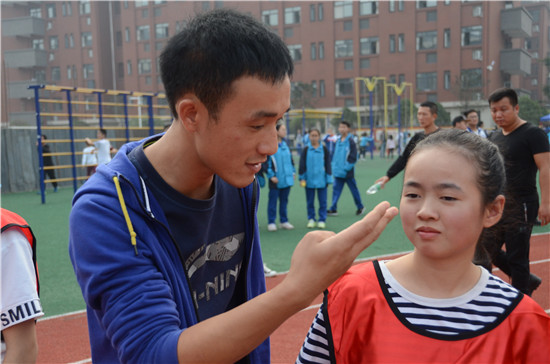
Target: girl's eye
x=448 y=198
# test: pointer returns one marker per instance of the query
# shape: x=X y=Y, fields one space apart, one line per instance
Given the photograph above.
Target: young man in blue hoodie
x=164 y=239
x=343 y=169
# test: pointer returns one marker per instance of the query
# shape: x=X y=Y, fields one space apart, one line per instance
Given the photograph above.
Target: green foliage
x=443 y=116
x=349 y=116
x=302 y=95
x=405 y=112
x=531 y=110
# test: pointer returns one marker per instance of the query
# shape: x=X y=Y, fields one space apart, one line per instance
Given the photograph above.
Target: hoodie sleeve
x=303 y=164
x=131 y=304
x=352 y=155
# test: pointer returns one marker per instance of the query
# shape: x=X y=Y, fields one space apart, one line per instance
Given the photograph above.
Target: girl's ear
x=493 y=212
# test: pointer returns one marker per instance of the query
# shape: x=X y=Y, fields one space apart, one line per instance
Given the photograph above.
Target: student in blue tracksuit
x=315 y=175
x=280 y=173
x=343 y=169
x=164 y=239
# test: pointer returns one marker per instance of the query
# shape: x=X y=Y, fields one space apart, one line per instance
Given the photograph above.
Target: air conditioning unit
x=476 y=55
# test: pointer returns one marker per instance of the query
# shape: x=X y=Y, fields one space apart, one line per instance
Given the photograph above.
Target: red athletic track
x=65 y=339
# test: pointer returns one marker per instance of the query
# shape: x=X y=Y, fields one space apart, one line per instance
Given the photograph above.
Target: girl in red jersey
x=433 y=304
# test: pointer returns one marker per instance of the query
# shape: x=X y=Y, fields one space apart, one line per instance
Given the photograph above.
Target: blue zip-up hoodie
x=344 y=158
x=280 y=165
x=315 y=167
x=138 y=299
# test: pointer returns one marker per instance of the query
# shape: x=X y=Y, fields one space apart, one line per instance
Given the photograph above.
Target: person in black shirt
x=48 y=162
x=427 y=114
x=525 y=150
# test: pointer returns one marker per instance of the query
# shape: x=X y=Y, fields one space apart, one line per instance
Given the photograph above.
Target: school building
x=452 y=52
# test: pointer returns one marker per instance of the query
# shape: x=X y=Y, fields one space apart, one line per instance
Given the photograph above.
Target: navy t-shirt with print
x=210 y=234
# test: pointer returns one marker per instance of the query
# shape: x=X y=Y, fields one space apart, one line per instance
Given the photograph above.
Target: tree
x=531 y=110
x=405 y=113
x=443 y=116
x=302 y=95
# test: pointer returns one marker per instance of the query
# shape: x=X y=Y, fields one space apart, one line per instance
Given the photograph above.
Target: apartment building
x=452 y=52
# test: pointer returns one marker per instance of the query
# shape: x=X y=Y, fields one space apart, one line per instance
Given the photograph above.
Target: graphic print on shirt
x=222 y=250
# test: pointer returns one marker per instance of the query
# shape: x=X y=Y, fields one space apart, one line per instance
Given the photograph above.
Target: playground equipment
x=67 y=120
x=313 y=114
x=370 y=84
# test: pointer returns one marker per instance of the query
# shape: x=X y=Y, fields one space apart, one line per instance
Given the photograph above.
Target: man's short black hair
x=457 y=120
x=503 y=92
x=467 y=112
x=346 y=123
x=431 y=105
x=217 y=48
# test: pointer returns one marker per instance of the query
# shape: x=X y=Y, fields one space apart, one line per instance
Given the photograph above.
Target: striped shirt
x=470 y=312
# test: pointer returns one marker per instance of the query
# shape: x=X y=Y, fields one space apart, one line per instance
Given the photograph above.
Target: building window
x=50 y=10
x=88 y=71
x=343 y=9
x=86 y=39
x=477 y=11
x=142 y=32
x=477 y=55
x=348 y=25
x=447 y=38
x=69 y=41
x=69 y=73
x=140 y=3
x=343 y=48
x=158 y=46
x=321 y=50
x=391 y=6
x=470 y=78
x=425 y=4
x=314 y=88
x=392 y=43
x=322 y=92
x=367 y=7
x=471 y=35
x=364 y=63
x=157 y=12
x=426 y=40
x=431 y=57
x=426 y=81
x=38 y=44
x=271 y=17
x=146 y=46
x=145 y=13
x=129 y=67
x=313 y=51
x=67 y=8
x=400 y=5
x=369 y=46
x=54 y=42
x=364 y=23
x=343 y=87
x=56 y=74
x=120 y=70
x=401 y=43
x=288 y=32
x=320 y=12
x=118 y=38
x=348 y=64
x=431 y=16
x=312 y=13
x=144 y=66
x=293 y=15
x=85 y=7
x=127 y=34
x=401 y=78
x=161 y=31
x=447 y=80
x=295 y=52
x=35 y=12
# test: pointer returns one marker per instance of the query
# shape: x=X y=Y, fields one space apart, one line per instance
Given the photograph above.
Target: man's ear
x=187 y=109
x=493 y=212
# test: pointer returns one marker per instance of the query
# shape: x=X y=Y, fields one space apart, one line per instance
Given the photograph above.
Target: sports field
x=63 y=333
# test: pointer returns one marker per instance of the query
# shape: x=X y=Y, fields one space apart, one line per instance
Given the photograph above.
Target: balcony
x=516 y=22
x=515 y=62
x=22 y=118
x=26 y=58
x=24 y=27
x=19 y=90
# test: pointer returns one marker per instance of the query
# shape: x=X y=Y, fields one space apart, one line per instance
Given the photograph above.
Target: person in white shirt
x=89 y=160
x=103 y=147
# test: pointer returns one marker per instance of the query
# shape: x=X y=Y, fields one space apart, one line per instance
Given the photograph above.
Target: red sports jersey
x=364 y=329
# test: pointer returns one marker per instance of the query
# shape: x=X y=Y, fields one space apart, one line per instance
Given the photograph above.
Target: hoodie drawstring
x=125 y=213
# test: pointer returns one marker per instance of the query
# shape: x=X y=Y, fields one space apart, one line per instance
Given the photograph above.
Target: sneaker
x=321 y=225
x=269 y=272
x=534 y=283
x=271 y=227
x=287 y=226
x=360 y=211
x=332 y=213
x=55 y=189
x=311 y=224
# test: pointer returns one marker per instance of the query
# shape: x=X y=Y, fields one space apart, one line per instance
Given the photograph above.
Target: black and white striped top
x=473 y=311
